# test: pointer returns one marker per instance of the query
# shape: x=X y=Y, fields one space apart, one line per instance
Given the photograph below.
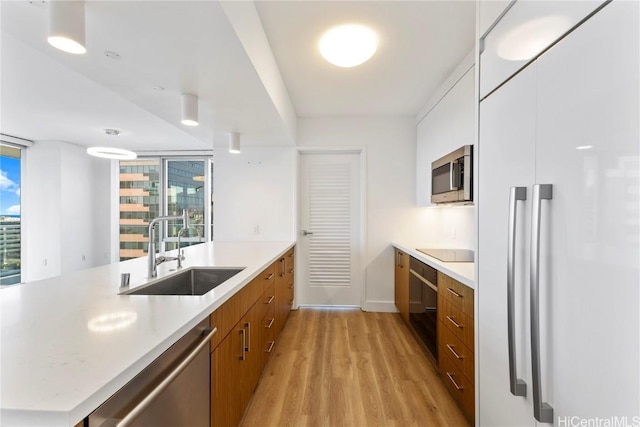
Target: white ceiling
x=421 y=42
x=191 y=46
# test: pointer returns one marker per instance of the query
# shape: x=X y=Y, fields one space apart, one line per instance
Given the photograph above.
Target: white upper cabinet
x=523 y=33
x=449 y=125
x=489 y=11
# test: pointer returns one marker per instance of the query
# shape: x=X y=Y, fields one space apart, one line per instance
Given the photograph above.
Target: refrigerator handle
x=542 y=411
x=517 y=385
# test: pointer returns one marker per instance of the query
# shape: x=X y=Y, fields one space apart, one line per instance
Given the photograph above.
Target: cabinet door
x=402 y=283
x=284 y=289
x=588 y=88
x=227 y=401
x=524 y=32
x=506 y=159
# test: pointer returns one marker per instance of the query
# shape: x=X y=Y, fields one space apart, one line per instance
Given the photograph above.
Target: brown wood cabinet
x=284 y=289
x=246 y=335
x=455 y=341
x=402 y=283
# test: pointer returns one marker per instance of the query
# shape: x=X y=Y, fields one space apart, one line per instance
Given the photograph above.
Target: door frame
x=362 y=155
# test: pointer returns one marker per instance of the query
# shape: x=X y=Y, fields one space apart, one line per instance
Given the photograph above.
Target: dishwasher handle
x=144 y=403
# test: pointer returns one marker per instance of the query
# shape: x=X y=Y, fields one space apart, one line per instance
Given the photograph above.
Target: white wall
x=41 y=212
x=390 y=188
x=63 y=210
x=451 y=227
x=254 y=193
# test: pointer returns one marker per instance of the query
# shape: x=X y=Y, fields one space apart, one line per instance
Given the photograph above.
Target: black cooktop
x=450 y=255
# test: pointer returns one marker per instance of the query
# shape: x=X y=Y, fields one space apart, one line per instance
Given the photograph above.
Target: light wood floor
x=350 y=368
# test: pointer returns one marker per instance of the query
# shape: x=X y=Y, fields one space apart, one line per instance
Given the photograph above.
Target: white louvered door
x=329 y=224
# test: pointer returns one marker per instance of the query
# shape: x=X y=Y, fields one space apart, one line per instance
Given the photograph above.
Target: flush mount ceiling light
x=234 y=142
x=527 y=40
x=348 y=45
x=66 y=26
x=189 y=109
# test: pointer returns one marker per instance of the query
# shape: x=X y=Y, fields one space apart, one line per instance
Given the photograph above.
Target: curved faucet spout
x=152 y=260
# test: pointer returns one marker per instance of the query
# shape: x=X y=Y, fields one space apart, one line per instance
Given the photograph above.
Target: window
x=155 y=187
x=10 y=236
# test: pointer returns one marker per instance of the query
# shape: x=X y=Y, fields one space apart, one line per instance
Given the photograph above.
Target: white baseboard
x=380 y=306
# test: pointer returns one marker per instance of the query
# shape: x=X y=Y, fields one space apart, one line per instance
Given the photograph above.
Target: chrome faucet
x=180 y=253
x=154 y=261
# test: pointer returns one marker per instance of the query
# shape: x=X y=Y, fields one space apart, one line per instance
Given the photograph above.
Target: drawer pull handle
x=271 y=343
x=455 y=384
x=270 y=277
x=270 y=299
x=243 y=342
x=270 y=323
x=248 y=343
x=454 y=352
x=455 y=323
x=454 y=293
x=291 y=286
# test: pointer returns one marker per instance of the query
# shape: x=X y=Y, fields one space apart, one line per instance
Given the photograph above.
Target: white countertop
x=463 y=272
x=68 y=343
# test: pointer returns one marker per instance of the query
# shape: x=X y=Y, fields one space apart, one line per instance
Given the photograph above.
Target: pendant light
x=234 y=142
x=189 y=109
x=111 y=152
x=66 y=26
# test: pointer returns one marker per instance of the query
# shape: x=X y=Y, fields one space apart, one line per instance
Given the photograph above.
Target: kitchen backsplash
x=447 y=227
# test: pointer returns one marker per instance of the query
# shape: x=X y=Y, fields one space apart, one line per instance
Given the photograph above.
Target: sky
x=9 y=186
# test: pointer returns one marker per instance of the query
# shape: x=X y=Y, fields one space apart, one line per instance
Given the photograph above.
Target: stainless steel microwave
x=452 y=177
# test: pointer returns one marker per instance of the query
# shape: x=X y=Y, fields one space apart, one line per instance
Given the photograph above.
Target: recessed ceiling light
x=112 y=132
x=111 y=153
x=348 y=45
x=111 y=54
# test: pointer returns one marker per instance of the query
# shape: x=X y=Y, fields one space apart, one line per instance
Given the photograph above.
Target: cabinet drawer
x=460 y=355
x=460 y=295
x=459 y=386
x=460 y=325
x=225 y=318
x=267 y=301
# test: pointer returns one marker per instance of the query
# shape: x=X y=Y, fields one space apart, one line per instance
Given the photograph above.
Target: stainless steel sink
x=194 y=281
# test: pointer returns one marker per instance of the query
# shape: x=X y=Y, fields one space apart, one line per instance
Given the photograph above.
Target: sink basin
x=194 y=281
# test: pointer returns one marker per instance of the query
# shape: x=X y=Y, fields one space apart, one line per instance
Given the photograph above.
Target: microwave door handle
x=454 y=175
x=451 y=167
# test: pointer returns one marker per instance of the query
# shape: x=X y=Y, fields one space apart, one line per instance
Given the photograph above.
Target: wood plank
x=350 y=368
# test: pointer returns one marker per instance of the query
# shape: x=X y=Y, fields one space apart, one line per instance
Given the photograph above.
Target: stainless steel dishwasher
x=174 y=390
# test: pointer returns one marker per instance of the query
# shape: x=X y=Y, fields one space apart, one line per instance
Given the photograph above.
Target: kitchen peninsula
x=70 y=342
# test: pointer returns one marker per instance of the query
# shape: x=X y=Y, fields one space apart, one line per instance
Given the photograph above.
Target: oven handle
x=144 y=403
x=423 y=280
